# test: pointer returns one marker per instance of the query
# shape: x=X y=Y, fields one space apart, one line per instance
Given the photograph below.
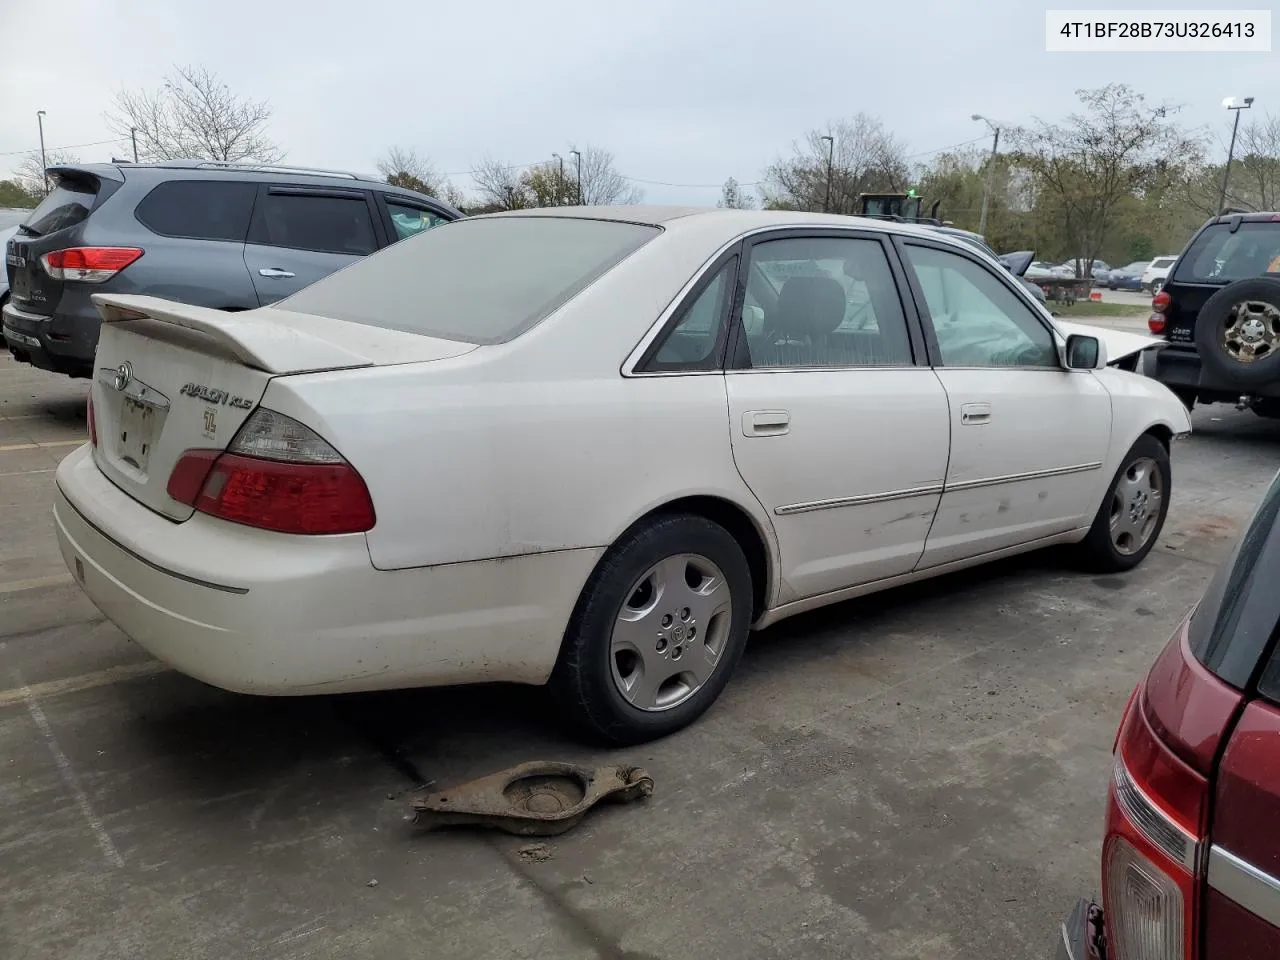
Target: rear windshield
x=477 y=281
x=1219 y=256
x=66 y=205
x=1237 y=614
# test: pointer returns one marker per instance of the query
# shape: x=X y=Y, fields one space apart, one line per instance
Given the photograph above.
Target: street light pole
x=1230 y=104
x=578 y=157
x=43 y=176
x=133 y=135
x=989 y=186
x=831 y=149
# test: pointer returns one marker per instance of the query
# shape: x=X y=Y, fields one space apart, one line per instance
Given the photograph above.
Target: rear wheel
x=1129 y=520
x=658 y=630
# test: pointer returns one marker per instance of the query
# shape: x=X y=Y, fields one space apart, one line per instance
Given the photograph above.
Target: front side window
x=325 y=224
x=977 y=320
x=409 y=220
x=823 y=302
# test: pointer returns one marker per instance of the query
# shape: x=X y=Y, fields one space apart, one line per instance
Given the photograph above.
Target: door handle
x=972 y=414
x=766 y=423
x=274 y=272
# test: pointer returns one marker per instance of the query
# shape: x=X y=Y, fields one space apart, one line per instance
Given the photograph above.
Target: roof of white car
x=743 y=220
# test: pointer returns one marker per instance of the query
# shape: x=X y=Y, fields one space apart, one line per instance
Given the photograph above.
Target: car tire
x=1127 y=509
x=622 y=629
x=1220 y=315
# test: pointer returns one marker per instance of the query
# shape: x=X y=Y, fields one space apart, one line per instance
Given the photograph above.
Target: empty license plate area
x=134 y=437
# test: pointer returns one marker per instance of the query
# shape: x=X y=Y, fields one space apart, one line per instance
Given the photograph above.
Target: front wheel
x=1131 y=516
x=658 y=631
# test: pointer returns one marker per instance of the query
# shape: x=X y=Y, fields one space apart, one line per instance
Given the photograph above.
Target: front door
x=835 y=428
x=1028 y=436
x=301 y=234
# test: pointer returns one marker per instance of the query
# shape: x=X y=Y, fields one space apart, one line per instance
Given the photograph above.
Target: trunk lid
x=56 y=223
x=172 y=377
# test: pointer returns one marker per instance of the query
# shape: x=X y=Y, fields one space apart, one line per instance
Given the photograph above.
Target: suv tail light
x=1160 y=304
x=1152 y=860
x=88 y=264
x=278 y=474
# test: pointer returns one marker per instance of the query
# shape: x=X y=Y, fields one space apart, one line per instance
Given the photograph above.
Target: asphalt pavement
x=918 y=774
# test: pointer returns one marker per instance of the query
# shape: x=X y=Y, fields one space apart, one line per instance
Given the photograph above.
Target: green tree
x=732 y=197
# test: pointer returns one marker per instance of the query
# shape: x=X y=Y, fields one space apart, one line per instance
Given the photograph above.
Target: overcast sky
x=686 y=92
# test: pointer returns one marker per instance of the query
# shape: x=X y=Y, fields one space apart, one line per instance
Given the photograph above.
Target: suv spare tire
x=1238 y=332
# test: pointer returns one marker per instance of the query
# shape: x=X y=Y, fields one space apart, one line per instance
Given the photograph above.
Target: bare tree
x=1118 y=147
x=860 y=157
x=403 y=167
x=29 y=174
x=1256 y=174
x=601 y=182
x=194 y=115
x=499 y=187
x=732 y=197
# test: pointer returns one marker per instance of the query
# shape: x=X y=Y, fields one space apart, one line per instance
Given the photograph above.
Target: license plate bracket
x=137 y=423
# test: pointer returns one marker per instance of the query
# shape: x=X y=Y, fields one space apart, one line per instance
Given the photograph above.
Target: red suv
x=1191 y=854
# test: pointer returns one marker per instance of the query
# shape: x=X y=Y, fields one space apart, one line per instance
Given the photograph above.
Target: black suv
x=221 y=235
x=1219 y=310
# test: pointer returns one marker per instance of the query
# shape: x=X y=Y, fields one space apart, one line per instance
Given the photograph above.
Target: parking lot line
x=23 y=473
x=84 y=681
x=41 y=445
x=69 y=774
x=34 y=583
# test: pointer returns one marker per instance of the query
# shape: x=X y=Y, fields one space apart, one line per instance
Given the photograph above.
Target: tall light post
x=133 y=135
x=831 y=149
x=577 y=156
x=43 y=176
x=989 y=186
x=560 y=182
x=1230 y=104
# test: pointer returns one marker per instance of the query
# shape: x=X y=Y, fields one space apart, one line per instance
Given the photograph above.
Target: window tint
x=692 y=343
x=823 y=302
x=978 y=321
x=199 y=209
x=1220 y=256
x=476 y=281
x=309 y=222
x=67 y=204
x=409 y=220
x=1237 y=614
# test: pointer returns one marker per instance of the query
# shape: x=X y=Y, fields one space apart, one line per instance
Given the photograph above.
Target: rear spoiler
x=251 y=338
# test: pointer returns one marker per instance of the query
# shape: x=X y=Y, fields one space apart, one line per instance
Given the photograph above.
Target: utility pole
x=578 y=156
x=989 y=187
x=133 y=135
x=44 y=176
x=560 y=182
x=831 y=149
x=1230 y=104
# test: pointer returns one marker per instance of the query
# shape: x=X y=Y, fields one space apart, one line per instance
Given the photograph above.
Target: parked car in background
x=1044 y=270
x=1098 y=270
x=10 y=217
x=1190 y=850
x=1128 y=277
x=1157 y=271
x=220 y=235
x=351 y=489
x=1220 y=312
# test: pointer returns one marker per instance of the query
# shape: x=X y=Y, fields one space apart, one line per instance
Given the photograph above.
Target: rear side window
x=198 y=209
x=1237 y=614
x=68 y=203
x=1219 y=256
x=325 y=224
x=475 y=281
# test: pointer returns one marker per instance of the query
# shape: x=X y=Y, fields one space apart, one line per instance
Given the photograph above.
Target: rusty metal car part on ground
x=537 y=799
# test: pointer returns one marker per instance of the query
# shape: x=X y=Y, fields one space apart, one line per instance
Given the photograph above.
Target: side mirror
x=1085 y=353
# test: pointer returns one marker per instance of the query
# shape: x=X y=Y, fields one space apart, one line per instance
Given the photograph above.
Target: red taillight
x=1155 y=323
x=277 y=475
x=1160 y=302
x=88 y=264
x=92 y=421
x=1153 y=854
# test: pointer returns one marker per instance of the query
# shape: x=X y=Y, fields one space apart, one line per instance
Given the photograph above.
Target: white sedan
x=590 y=447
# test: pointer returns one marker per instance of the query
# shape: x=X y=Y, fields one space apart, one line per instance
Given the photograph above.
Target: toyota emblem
x=124 y=374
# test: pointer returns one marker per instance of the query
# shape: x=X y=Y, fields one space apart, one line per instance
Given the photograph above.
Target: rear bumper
x=1080 y=936
x=256 y=612
x=1178 y=367
x=63 y=343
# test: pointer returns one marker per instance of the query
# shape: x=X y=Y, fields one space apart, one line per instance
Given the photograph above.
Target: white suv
x=1157 y=273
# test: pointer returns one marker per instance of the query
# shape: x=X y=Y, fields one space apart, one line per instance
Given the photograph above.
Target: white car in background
x=1157 y=272
x=1044 y=270
x=593 y=447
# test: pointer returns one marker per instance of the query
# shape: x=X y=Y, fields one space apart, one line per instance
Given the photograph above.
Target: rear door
x=1028 y=437
x=837 y=429
x=300 y=234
